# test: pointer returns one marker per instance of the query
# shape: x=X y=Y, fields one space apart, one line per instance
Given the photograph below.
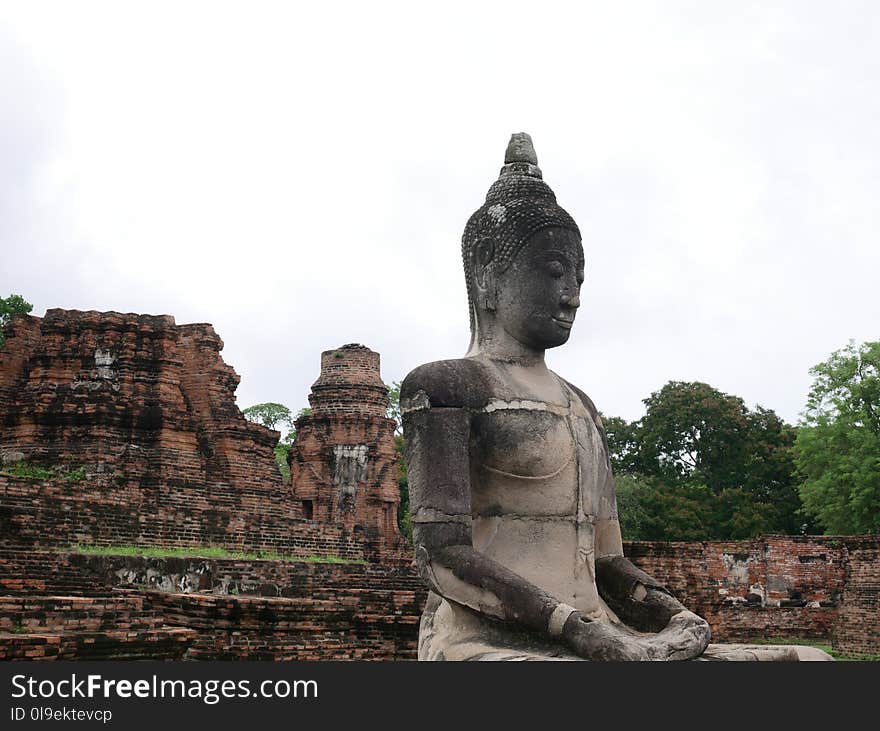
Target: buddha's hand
x=683 y=638
x=593 y=640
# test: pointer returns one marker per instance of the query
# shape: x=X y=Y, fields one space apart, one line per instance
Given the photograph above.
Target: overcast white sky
x=299 y=175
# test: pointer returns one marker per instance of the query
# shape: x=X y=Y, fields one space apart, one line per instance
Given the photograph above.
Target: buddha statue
x=514 y=517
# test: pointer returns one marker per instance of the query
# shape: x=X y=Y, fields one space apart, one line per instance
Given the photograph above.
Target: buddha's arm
x=439 y=484
x=639 y=599
x=636 y=597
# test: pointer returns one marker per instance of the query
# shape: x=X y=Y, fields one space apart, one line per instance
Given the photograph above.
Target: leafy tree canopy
x=14 y=304
x=705 y=467
x=270 y=415
x=276 y=416
x=838 y=444
x=623 y=444
x=693 y=432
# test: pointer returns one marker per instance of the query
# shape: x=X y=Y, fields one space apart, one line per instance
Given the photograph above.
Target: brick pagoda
x=343 y=464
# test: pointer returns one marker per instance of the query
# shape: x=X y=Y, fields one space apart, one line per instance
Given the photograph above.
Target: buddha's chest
x=535 y=458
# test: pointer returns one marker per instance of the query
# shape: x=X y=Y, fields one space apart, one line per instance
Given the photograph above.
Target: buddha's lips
x=563 y=322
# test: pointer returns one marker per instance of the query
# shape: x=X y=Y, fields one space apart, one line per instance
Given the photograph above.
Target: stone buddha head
x=523 y=259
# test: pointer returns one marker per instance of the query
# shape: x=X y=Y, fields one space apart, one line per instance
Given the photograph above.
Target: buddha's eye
x=555 y=268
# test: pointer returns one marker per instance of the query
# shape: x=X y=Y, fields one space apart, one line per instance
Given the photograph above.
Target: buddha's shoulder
x=461 y=382
x=588 y=405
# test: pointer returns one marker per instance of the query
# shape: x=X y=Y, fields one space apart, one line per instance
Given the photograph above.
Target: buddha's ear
x=483 y=255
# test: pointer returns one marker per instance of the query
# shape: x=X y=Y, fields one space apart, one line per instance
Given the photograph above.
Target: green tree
x=668 y=512
x=282 y=449
x=736 y=515
x=707 y=466
x=770 y=477
x=14 y=304
x=623 y=443
x=631 y=495
x=277 y=416
x=692 y=432
x=838 y=444
x=270 y=415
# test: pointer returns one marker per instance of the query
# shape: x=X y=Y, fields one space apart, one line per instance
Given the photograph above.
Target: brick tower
x=343 y=465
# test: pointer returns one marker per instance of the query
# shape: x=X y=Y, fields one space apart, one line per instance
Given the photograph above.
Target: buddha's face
x=539 y=292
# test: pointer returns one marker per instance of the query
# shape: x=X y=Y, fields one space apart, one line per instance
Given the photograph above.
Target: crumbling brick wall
x=770 y=587
x=138 y=416
x=93 y=512
x=27 y=573
x=61 y=604
x=858 y=627
x=136 y=395
x=336 y=611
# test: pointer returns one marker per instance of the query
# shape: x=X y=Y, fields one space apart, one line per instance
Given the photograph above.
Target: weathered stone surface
x=366 y=624
x=515 y=519
x=98 y=387
x=32 y=573
x=164 y=643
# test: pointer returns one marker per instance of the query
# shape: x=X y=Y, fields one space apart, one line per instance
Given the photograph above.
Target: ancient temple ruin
x=125 y=431
x=121 y=429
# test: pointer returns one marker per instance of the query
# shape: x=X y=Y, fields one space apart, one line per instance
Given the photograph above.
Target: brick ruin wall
x=857 y=630
x=119 y=627
x=823 y=589
x=73 y=606
x=62 y=515
x=50 y=572
x=139 y=415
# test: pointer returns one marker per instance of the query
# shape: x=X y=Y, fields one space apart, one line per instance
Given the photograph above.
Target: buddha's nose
x=570 y=300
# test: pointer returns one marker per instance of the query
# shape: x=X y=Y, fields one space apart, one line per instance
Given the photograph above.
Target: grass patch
x=203 y=552
x=837 y=655
x=38 y=472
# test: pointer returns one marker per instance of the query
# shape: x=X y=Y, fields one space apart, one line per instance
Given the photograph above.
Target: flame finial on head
x=520 y=149
x=520 y=157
